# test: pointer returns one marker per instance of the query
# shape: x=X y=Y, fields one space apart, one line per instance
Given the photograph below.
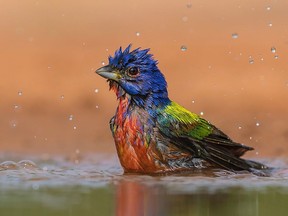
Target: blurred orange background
x=234 y=69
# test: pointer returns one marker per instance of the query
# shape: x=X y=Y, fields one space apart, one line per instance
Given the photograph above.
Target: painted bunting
x=156 y=135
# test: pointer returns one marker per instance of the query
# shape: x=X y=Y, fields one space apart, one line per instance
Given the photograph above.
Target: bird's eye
x=133 y=71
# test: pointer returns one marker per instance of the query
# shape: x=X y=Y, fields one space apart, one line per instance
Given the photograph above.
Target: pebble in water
x=183 y=48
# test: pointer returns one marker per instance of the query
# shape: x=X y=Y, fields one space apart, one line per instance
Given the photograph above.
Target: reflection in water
x=134 y=198
x=97 y=187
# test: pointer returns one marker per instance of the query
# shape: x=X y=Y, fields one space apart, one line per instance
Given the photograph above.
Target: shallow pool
x=95 y=185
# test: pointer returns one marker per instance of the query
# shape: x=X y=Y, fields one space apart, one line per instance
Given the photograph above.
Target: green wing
x=194 y=134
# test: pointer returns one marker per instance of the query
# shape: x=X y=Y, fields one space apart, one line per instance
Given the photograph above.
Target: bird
x=155 y=135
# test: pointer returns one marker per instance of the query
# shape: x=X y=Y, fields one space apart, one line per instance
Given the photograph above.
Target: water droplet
x=106 y=49
x=239 y=127
x=270 y=24
x=257 y=153
x=193 y=101
x=74 y=128
x=103 y=63
x=185 y=19
x=96 y=106
x=27 y=164
x=251 y=61
x=71 y=117
x=201 y=113
x=83 y=44
x=35 y=186
x=268 y=8
x=9 y=165
x=13 y=123
x=137 y=34
x=276 y=57
x=189 y=5
x=77 y=151
x=250 y=138
x=257 y=124
x=49 y=67
x=273 y=49
x=183 y=48
x=96 y=90
x=235 y=35
x=262 y=59
x=20 y=93
x=16 y=107
x=62 y=97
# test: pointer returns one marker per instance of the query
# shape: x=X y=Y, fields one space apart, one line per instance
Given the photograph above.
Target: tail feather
x=226 y=160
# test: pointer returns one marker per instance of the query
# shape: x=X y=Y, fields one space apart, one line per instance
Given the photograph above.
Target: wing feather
x=192 y=133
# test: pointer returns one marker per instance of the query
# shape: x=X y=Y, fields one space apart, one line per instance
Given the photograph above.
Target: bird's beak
x=108 y=72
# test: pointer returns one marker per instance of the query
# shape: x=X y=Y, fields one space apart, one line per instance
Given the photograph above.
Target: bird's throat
x=119 y=91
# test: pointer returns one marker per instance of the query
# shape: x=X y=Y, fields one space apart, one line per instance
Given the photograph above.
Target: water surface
x=95 y=185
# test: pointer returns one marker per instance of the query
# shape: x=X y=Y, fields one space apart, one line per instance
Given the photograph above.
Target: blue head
x=135 y=73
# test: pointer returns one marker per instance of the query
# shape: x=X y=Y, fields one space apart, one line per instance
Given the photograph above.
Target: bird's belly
x=136 y=156
x=134 y=153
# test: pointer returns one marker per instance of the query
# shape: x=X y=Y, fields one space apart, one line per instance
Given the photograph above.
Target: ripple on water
x=102 y=170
